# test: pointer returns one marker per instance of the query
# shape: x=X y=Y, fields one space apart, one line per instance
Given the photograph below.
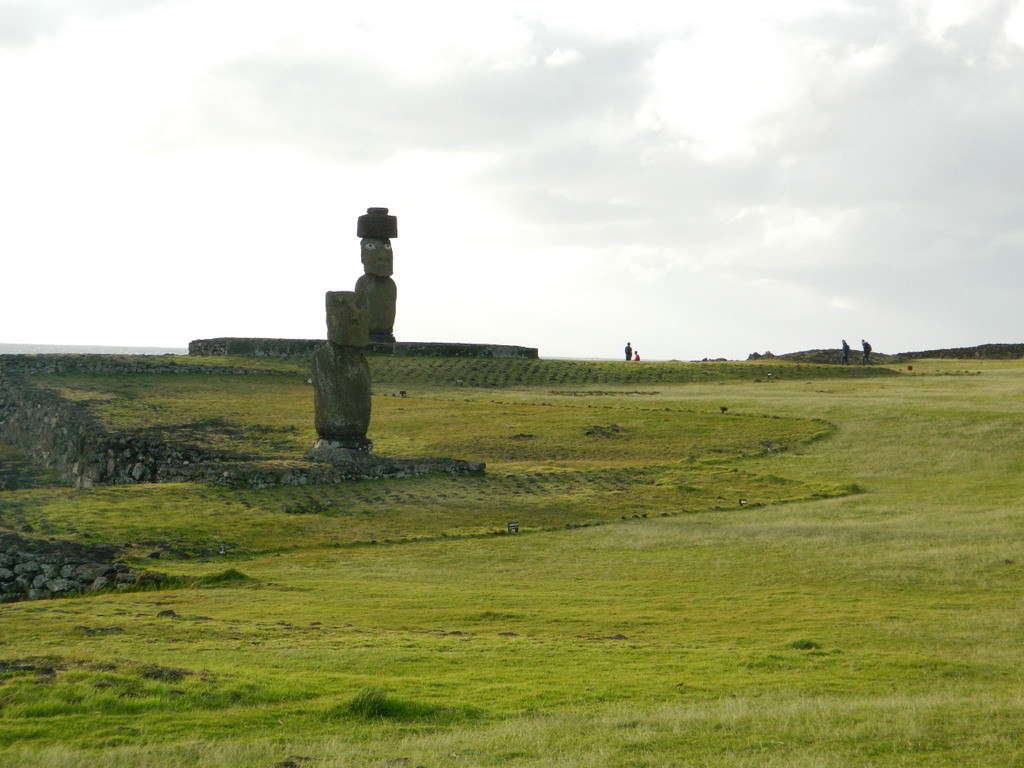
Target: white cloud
x=1013 y=28
x=712 y=87
x=710 y=180
x=561 y=57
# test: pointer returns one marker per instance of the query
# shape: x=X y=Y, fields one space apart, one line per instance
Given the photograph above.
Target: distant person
x=629 y=351
x=867 y=353
x=845 y=359
x=636 y=357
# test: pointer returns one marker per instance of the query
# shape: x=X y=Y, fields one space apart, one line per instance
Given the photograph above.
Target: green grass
x=18 y=471
x=554 y=461
x=638 y=620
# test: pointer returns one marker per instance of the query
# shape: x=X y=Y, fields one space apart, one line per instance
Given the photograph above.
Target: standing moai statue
x=375 y=288
x=341 y=377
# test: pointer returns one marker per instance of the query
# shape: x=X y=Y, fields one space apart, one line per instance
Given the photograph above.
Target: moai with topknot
x=341 y=377
x=375 y=289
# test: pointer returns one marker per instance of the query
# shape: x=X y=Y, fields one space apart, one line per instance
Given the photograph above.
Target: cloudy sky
x=704 y=180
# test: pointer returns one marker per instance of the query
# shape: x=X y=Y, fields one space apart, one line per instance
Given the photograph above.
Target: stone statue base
x=340 y=449
x=337 y=464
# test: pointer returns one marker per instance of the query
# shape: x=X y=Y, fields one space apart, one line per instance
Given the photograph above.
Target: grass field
x=863 y=608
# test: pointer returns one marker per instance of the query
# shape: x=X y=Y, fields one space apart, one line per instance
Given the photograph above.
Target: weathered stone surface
x=346 y=320
x=376 y=223
x=123 y=365
x=335 y=451
x=230 y=346
x=63 y=585
x=89 y=572
x=341 y=393
x=352 y=464
x=304 y=347
x=341 y=375
x=380 y=299
x=60 y=434
x=42 y=569
x=375 y=288
x=454 y=349
x=377 y=256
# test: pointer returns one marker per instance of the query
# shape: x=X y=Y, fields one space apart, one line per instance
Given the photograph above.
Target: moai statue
x=341 y=377
x=375 y=288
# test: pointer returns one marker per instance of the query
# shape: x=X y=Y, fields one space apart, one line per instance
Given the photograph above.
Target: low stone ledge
x=36 y=569
x=253 y=347
x=242 y=347
x=120 y=365
x=63 y=436
x=358 y=466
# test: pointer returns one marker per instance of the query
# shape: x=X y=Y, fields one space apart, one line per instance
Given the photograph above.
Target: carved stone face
x=346 y=320
x=376 y=256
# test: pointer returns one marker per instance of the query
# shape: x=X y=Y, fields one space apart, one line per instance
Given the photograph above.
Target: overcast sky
x=707 y=180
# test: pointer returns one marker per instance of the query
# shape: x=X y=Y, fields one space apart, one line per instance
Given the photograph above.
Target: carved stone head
x=347 y=324
x=376 y=255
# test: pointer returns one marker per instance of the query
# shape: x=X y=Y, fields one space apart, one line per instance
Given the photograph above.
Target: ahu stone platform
x=252 y=347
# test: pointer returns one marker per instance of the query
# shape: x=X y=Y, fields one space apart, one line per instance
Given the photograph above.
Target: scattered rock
x=92 y=631
x=293 y=762
x=165 y=674
x=38 y=569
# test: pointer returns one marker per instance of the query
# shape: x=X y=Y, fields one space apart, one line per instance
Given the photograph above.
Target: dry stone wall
x=119 y=365
x=240 y=347
x=64 y=437
x=33 y=569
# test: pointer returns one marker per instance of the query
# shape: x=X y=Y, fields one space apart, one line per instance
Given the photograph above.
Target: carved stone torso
x=341 y=393
x=379 y=296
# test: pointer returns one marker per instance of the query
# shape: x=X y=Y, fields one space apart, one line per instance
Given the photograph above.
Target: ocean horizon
x=82 y=349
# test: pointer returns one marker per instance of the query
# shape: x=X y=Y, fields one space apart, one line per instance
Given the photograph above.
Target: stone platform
x=64 y=436
x=254 y=347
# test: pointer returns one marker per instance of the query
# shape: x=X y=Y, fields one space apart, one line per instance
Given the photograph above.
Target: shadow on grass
x=375 y=704
x=230 y=578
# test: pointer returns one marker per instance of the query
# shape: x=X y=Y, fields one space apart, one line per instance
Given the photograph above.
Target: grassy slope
x=867 y=629
x=559 y=457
